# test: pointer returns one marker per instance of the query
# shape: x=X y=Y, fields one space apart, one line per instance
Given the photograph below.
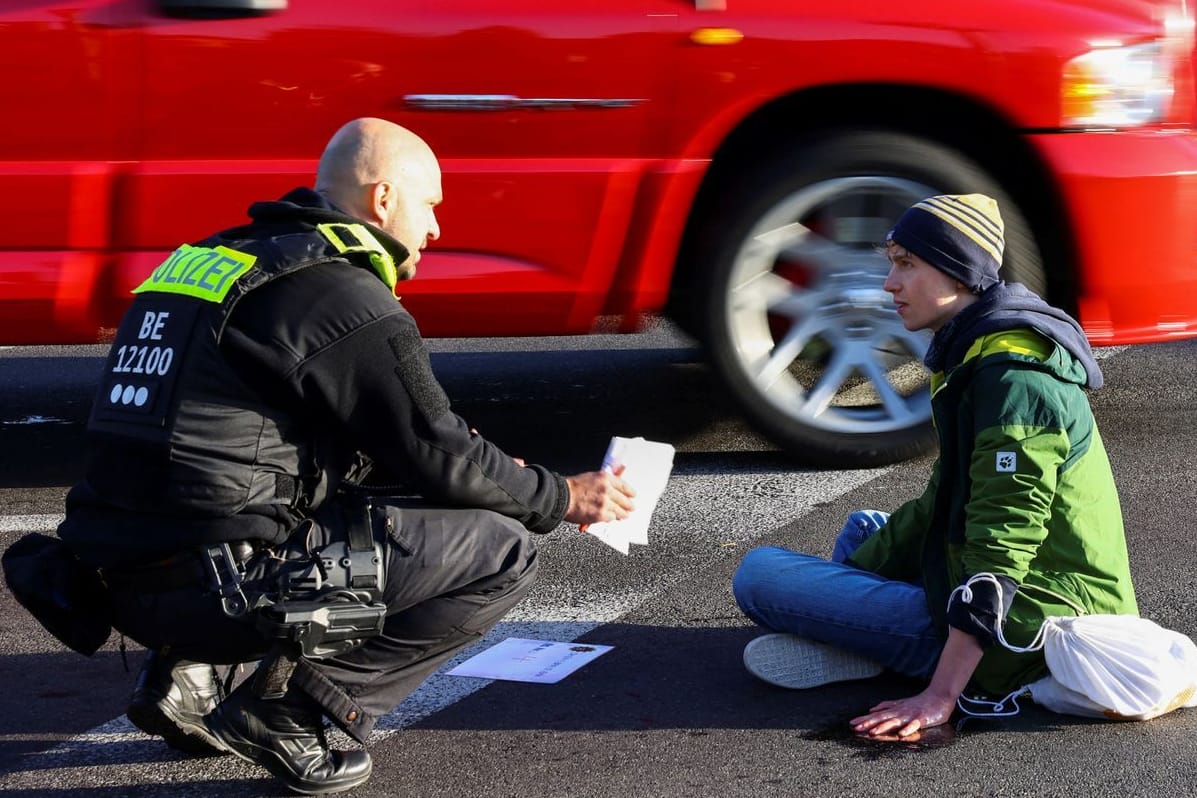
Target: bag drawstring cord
x=966 y=595
x=996 y=709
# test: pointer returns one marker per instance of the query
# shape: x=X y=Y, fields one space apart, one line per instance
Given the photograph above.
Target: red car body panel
x=131 y=131
x=1130 y=201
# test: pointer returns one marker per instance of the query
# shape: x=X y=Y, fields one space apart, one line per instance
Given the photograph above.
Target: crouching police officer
x=256 y=378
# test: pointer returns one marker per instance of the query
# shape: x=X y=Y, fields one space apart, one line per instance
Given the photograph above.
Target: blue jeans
x=832 y=602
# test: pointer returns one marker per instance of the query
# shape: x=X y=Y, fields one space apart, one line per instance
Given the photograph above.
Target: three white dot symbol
x=128 y=394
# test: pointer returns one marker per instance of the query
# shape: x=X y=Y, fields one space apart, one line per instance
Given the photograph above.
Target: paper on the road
x=518 y=659
x=647 y=465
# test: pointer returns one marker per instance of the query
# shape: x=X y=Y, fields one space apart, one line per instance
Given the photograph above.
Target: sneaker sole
x=796 y=663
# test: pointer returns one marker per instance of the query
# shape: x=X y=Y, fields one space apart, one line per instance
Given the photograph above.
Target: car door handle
x=221 y=9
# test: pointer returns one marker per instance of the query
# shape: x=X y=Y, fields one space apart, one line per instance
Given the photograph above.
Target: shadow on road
x=663 y=677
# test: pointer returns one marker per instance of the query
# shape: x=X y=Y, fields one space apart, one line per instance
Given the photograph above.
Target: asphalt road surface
x=669 y=711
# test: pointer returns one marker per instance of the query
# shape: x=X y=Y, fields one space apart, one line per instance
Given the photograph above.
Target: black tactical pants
x=450 y=575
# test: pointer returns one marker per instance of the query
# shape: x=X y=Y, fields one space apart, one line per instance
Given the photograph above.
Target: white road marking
x=29 y=523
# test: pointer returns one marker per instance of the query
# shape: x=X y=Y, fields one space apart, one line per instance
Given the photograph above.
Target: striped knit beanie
x=959 y=234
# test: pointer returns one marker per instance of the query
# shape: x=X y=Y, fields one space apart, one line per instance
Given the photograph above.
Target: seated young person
x=1022 y=490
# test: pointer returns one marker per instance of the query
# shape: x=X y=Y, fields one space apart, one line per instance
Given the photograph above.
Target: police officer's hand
x=598 y=496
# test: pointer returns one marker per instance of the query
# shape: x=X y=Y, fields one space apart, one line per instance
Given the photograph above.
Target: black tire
x=787 y=293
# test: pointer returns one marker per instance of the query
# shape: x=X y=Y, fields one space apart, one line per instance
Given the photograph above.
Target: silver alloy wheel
x=812 y=328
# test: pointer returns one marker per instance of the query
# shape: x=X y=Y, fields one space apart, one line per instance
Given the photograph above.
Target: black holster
x=332 y=607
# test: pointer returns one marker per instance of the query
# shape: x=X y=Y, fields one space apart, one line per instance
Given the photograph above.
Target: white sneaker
x=797 y=663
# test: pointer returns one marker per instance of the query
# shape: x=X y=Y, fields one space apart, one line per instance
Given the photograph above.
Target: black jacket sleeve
x=980 y=606
x=331 y=342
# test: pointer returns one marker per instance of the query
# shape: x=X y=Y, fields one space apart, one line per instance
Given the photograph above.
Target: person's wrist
x=571 y=491
x=943 y=694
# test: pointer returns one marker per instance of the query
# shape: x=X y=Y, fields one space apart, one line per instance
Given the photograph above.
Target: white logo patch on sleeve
x=1007 y=462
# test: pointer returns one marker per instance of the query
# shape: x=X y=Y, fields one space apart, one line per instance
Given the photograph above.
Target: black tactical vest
x=174 y=429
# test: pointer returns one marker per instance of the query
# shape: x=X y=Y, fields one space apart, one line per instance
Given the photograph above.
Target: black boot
x=286 y=736
x=171 y=697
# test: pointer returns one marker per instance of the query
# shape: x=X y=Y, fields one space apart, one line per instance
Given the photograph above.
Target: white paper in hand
x=647 y=465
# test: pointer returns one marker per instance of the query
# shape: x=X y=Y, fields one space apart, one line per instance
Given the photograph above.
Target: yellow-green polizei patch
x=200 y=272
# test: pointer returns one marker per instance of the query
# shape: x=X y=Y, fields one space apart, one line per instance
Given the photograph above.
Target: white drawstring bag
x=1118 y=667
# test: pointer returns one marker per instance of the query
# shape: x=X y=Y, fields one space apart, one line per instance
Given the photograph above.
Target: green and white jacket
x=1022 y=489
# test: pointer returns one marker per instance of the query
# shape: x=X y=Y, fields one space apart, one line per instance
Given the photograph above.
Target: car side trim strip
x=510 y=102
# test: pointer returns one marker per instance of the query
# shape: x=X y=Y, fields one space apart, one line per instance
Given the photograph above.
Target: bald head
x=386 y=175
x=366 y=151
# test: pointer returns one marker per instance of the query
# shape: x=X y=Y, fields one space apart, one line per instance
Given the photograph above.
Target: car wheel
x=791 y=306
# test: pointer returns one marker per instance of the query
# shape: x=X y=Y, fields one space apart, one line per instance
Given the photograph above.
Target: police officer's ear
x=384 y=196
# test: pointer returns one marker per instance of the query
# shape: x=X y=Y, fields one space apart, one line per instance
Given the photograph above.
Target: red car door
x=67 y=100
x=540 y=116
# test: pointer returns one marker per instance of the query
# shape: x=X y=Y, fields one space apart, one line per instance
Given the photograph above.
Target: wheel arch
x=961 y=123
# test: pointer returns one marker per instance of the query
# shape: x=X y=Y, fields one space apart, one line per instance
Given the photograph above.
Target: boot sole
x=182 y=734
x=250 y=751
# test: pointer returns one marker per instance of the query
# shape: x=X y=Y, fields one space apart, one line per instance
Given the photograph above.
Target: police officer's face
x=411 y=216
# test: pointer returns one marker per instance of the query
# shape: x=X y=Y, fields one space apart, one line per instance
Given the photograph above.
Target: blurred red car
x=730 y=162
